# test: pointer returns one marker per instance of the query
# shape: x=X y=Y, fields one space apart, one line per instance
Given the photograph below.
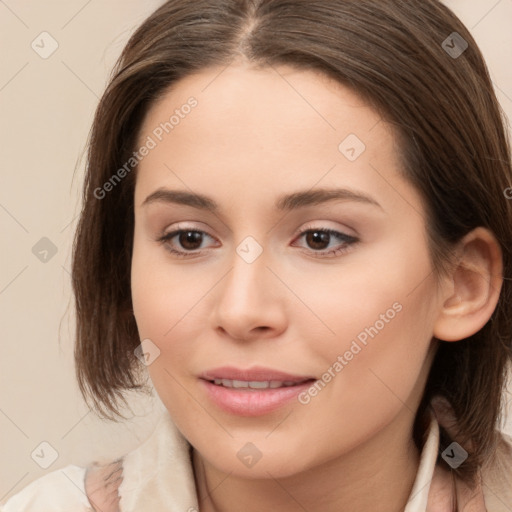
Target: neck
x=377 y=475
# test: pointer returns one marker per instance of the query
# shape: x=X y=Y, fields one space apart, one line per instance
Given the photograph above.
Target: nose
x=249 y=302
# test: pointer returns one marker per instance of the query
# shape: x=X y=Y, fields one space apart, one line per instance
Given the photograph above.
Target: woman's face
x=302 y=252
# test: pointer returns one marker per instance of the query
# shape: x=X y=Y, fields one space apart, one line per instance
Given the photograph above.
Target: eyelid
x=184 y=227
x=179 y=228
x=318 y=226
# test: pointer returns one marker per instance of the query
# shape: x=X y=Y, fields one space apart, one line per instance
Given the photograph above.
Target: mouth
x=253 y=392
x=230 y=376
x=257 y=384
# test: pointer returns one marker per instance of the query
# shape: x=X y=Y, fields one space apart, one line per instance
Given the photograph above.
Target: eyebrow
x=288 y=202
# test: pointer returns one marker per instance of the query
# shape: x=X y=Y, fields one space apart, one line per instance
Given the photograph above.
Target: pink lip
x=252 y=402
x=256 y=373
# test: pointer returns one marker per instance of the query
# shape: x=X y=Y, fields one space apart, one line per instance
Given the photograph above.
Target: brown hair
x=452 y=138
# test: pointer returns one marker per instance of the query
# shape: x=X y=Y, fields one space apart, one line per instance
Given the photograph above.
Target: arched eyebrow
x=318 y=196
x=294 y=201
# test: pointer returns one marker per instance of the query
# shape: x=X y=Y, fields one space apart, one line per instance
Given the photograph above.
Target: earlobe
x=471 y=298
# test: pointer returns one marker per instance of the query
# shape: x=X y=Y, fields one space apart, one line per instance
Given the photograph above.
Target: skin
x=257 y=134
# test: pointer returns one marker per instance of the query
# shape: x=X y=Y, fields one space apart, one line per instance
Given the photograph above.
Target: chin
x=258 y=460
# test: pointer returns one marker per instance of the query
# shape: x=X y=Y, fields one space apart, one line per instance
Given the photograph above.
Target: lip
x=252 y=402
x=255 y=373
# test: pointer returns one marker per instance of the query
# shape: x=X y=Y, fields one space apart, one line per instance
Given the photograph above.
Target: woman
x=296 y=219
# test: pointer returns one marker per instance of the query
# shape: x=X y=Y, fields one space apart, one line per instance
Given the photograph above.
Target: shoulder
x=59 y=490
x=102 y=483
x=157 y=473
x=497 y=476
x=82 y=489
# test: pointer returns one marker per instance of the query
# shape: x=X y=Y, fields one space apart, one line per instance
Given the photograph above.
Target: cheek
x=380 y=317
x=385 y=293
x=162 y=293
x=166 y=306
x=378 y=358
x=171 y=305
x=373 y=372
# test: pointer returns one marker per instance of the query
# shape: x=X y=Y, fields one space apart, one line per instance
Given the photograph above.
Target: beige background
x=46 y=112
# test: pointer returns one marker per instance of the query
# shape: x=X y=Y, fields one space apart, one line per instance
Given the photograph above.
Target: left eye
x=319 y=240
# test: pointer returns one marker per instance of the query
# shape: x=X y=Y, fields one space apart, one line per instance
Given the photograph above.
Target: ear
x=470 y=293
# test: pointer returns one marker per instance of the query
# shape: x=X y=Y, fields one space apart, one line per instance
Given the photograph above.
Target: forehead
x=272 y=97
x=274 y=127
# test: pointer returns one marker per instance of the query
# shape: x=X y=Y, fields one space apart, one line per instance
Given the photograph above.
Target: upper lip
x=255 y=373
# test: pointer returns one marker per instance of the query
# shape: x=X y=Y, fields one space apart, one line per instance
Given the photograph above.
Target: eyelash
x=348 y=240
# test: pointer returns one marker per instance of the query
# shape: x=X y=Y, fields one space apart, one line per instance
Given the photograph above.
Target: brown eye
x=190 y=240
x=324 y=242
x=184 y=242
x=318 y=239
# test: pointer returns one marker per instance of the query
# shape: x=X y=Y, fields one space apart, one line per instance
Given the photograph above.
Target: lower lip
x=254 y=402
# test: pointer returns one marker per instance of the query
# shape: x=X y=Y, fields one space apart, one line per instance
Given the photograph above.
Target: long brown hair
x=452 y=140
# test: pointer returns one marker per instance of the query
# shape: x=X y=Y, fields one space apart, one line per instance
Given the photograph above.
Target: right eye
x=190 y=241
